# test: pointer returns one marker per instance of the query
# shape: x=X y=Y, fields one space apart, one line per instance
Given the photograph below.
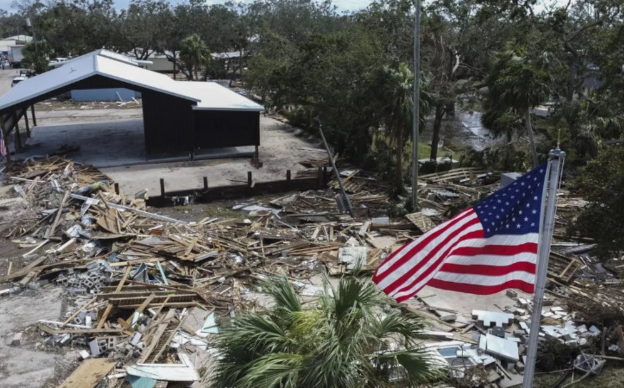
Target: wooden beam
x=74 y=315
x=58 y=213
x=32 y=111
x=107 y=311
x=26 y=121
x=123 y=279
x=50 y=331
x=18 y=138
x=6 y=140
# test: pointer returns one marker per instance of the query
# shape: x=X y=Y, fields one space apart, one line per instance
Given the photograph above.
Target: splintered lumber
x=58 y=214
x=155 y=339
x=51 y=331
x=123 y=279
x=130 y=209
x=89 y=373
x=104 y=317
x=75 y=314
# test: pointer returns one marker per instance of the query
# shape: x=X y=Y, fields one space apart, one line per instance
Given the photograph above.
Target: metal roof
x=207 y=95
x=216 y=97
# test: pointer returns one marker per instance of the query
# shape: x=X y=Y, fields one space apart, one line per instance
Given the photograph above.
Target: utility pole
x=416 y=105
x=546 y=230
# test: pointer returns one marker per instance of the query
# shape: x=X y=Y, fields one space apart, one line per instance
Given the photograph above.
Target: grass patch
x=609 y=378
x=219 y=211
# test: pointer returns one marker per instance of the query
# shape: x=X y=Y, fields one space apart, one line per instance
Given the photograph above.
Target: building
x=6 y=43
x=178 y=116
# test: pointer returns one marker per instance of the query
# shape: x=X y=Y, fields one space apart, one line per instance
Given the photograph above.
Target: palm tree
x=397 y=96
x=194 y=54
x=342 y=340
x=518 y=81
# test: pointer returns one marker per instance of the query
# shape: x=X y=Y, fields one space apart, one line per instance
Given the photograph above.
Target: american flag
x=487 y=248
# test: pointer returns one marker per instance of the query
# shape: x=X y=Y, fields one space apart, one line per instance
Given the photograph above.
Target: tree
x=146 y=26
x=601 y=182
x=519 y=80
x=194 y=54
x=36 y=57
x=342 y=341
x=397 y=97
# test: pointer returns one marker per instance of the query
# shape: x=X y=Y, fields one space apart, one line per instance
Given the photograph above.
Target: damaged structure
x=178 y=117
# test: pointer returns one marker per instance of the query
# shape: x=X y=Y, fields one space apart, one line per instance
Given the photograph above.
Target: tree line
x=354 y=70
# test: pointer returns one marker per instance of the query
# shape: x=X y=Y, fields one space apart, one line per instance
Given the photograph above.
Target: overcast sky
x=343 y=5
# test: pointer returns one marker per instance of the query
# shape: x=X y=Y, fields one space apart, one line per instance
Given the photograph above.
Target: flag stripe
x=430 y=259
x=491 y=260
x=434 y=263
x=489 y=270
x=467 y=281
x=477 y=289
x=394 y=260
x=502 y=250
x=423 y=246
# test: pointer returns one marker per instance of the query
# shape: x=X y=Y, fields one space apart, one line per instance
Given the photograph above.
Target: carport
x=178 y=116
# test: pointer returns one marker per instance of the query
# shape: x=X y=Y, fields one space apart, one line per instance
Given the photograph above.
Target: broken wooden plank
x=89 y=373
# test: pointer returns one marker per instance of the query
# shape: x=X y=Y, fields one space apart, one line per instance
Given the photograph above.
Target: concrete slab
x=113 y=140
x=282 y=148
x=22 y=367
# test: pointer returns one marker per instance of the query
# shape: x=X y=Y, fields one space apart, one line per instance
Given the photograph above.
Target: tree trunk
x=529 y=127
x=240 y=64
x=437 y=124
x=400 y=145
x=175 y=70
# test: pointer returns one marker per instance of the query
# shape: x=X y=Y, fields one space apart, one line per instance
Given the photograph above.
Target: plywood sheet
x=89 y=373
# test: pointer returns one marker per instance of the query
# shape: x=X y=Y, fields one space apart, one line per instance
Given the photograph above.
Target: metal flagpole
x=547 y=226
x=415 y=118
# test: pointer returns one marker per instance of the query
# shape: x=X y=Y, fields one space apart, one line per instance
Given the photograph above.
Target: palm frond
x=273 y=370
x=414 y=366
x=283 y=293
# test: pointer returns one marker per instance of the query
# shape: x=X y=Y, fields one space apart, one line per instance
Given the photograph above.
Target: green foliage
x=194 y=54
x=36 y=56
x=601 y=182
x=341 y=340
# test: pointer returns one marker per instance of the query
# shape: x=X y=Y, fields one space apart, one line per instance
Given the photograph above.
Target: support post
x=416 y=110
x=257 y=156
x=32 y=110
x=288 y=178
x=547 y=227
x=162 y=188
x=116 y=188
x=249 y=179
x=18 y=137
x=6 y=141
x=205 y=183
x=345 y=197
x=26 y=121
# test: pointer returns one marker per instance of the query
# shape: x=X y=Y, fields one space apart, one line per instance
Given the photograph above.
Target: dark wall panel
x=168 y=123
x=218 y=129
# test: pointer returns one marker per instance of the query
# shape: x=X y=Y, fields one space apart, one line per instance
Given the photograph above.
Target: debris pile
x=148 y=292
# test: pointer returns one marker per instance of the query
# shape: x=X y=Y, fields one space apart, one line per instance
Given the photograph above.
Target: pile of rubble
x=147 y=291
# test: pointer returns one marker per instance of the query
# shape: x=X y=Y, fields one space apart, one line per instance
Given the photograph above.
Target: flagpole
x=547 y=227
